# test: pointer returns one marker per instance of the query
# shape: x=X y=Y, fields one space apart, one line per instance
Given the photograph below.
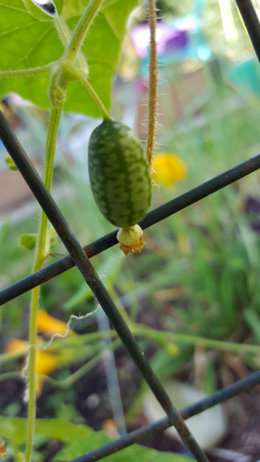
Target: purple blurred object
x=252 y=204
x=167 y=38
x=252 y=207
x=178 y=41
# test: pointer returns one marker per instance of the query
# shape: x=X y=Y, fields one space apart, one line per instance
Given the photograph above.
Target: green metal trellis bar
x=92 y=279
x=139 y=435
x=252 y=24
x=153 y=217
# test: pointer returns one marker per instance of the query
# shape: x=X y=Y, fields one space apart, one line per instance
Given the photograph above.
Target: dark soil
x=90 y=399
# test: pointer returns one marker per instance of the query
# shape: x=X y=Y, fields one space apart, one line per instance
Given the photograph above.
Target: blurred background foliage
x=198 y=274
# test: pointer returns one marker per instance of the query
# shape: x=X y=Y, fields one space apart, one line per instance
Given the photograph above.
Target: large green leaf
x=14 y=429
x=79 y=439
x=29 y=39
x=80 y=446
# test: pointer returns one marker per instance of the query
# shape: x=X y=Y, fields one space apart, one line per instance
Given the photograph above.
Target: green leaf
x=23 y=23
x=28 y=241
x=59 y=5
x=61 y=429
x=14 y=429
x=79 y=440
x=81 y=446
x=10 y=163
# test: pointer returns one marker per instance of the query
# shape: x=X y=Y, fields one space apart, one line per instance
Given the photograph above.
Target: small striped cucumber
x=119 y=175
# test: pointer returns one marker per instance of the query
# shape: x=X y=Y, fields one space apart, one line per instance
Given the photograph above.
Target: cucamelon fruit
x=119 y=173
x=120 y=180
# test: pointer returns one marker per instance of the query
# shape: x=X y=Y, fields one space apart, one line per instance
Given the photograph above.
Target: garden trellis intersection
x=80 y=257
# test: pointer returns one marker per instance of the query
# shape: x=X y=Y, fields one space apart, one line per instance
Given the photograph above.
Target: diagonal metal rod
x=139 y=435
x=251 y=22
x=153 y=217
x=92 y=279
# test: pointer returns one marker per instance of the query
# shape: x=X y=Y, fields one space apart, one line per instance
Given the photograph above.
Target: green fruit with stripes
x=119 y=173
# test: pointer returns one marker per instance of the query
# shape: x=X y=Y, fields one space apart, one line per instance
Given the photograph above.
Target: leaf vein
x=20 y=10
x=35 y=45
x=11 y=31
x=110 y=26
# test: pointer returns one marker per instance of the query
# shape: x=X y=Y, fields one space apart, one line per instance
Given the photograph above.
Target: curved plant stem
x=10 y=375
x=152 y=99
x=82 y=28
x=164 y=337
x=40 y=256
x=73 y=42
x=63 y=31
x=27 y=72
x=10 y=356
x=95 y=97
x=83 y=370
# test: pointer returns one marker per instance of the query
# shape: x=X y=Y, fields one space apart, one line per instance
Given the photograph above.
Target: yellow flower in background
x=3 y=448
x=168 y=168
x=49 y=325
x=45 y=362
x=16 y=345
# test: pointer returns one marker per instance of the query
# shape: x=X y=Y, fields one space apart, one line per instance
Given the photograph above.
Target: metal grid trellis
x=80 y=258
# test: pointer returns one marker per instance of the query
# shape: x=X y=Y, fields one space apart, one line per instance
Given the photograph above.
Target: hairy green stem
x=82 y=28
x=63 y=31
x=40 y=256
x=95 y=97
x=73 y=42
x=57 y=94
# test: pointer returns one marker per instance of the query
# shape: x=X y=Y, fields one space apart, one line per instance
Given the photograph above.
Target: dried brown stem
x=152 y=102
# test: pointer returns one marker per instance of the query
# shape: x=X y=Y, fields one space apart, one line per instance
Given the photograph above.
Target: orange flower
x=168 y=168
x=50 y=326
x=3 y=448
x=16 y=345
x=46 y=362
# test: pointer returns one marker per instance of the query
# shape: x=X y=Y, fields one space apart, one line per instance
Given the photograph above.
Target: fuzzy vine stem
x=63 y=31
x=58 y=87
x=152 y=98
x=82 y=28
x=95 y=97
x=40 y=256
